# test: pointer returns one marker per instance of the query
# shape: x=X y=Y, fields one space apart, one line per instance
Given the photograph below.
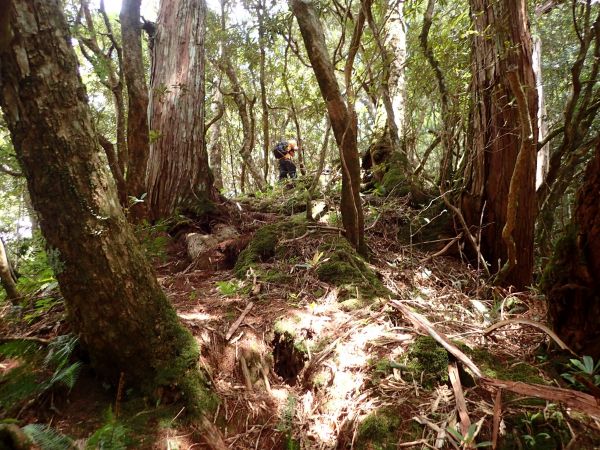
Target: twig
x=442 y=251
x=237 y=323
x=538 y=325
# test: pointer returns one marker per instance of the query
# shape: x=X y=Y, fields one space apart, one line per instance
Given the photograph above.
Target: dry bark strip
x=461 y=404
x=574 y=399
x=237 y=323
x=497 y=418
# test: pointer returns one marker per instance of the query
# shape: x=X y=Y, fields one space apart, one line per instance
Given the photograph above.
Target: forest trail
x=316 y=364
x=307 y=370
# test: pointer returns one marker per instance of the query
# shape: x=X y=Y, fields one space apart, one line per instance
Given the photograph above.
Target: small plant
x=154 y=239
x=113 y=435
x=583 y=373
x=228 y=288
x=467 y=440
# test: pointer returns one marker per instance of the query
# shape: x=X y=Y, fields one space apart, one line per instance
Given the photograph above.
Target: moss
x=263 y=245
x=183 y=374
x=495 y=367
x=427 y=360
x=378 y=430
x=344 y=268
x=395 y=180
x=566 y=254
x=275 y=276
x=261 y=248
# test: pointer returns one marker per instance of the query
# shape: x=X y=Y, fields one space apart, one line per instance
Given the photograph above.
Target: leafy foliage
x=39 y=370
x=113 y=435
x=47 y=438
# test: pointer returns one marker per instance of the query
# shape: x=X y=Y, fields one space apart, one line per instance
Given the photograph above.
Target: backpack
x=280 y=150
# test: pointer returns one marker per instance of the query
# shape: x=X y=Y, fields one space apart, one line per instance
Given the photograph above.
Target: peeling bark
x=498 y=136
x=6 y=277
x=178 y=171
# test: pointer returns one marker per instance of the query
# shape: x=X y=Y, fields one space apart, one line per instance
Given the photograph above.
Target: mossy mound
x=378 y=430
x=395 y=181
x=263 y=245
x=494 y=367
x=343 y=267
x=428 y=361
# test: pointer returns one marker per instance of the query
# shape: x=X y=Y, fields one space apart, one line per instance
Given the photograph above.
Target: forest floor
x=317 y=364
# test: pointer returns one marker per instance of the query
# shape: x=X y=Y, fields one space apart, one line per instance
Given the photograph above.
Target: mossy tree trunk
x=113 y=299
x=342 y=117
x=500 y=178
x=178 y=172
x=571 y=279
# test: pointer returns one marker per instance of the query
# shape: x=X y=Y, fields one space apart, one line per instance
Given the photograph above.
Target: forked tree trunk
x=178 y=171
x=500 y=136
x=571 y=278
x=113 y=300
x=138 y=140
x=342 y=120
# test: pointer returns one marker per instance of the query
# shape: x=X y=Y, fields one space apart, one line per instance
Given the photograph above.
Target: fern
x=38 y=372
x=47 y=438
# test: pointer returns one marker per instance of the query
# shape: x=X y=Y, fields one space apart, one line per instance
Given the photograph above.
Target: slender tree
x=113 y=299
x=342 y=117
x=178 y=170
x=500 y=176
x=138 y=143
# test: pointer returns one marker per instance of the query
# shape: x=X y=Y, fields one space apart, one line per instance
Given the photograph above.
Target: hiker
x=284 y=152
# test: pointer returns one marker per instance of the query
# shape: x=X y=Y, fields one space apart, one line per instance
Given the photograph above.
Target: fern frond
x=47 y=438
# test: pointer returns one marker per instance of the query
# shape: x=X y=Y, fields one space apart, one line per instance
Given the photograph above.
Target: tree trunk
x=113 y=300
x=6 y=277
x=261 y=10
x=543 y=154
x=502 y=167
x=246 y=112
x=215 y=148
x=178 y=171
x=342 y=121
x=571 y=278
x=138 y=141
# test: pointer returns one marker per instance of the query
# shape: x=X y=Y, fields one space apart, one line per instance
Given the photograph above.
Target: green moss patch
x=378 y=430
x=428 y=361
x=263 y=245
x=344 y=268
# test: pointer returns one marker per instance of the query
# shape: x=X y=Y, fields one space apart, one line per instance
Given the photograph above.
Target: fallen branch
x=573 y=399
x=238 y=322
x=538 y=325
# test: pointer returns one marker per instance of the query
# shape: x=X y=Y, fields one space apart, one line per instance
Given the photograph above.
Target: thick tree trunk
x=113 y=300
x=571 y=278
x=6 y=277
x=342 y=120
x=494 y=176
x=178 y=171
x=138 y=141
